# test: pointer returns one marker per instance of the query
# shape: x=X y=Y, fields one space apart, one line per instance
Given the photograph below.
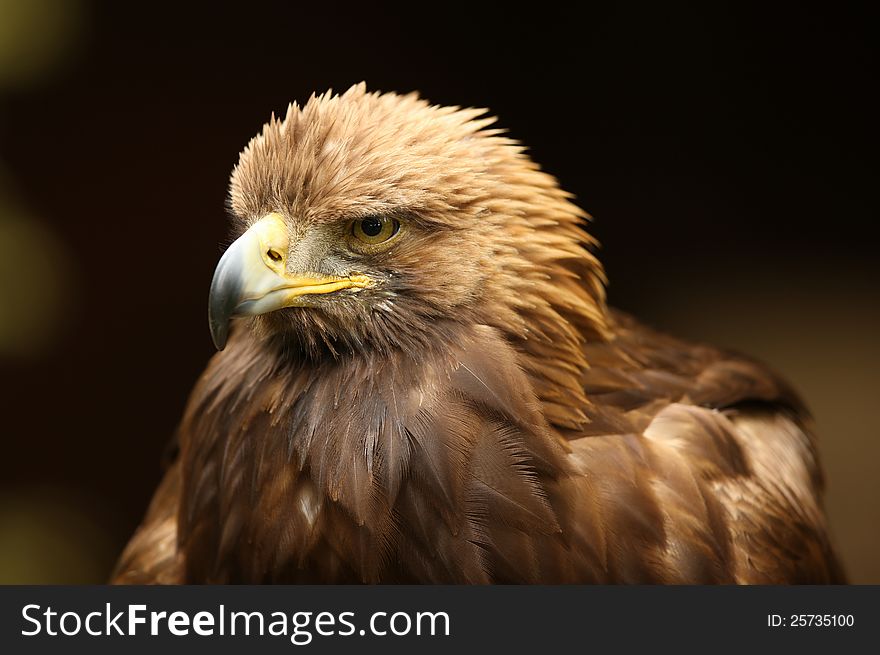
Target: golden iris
x=374 y=229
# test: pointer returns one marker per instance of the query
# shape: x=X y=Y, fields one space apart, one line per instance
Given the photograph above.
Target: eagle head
x=369 y=221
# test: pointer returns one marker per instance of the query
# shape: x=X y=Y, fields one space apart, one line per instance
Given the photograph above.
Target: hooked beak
x=251 y=278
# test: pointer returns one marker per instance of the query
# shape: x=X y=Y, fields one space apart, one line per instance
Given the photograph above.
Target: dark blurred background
x=728 y=154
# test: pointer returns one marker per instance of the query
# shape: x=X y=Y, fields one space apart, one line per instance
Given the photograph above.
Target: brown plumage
x=474 y=413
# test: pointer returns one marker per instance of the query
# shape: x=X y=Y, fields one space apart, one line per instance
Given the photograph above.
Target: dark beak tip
x=222 y=301
x=219 y=332
x=219 y=317
x=226 y=292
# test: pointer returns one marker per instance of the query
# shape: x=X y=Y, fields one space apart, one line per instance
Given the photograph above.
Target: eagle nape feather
x=420 y=381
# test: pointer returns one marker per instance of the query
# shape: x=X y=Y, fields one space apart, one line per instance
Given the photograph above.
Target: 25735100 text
x=810 y=621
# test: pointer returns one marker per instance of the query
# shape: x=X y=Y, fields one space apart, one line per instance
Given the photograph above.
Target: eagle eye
x=374 y=230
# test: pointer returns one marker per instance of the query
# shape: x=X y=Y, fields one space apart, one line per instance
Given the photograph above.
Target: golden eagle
x=421 y=382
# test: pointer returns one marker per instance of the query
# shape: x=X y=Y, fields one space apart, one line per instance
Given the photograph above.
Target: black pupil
x=371 y=226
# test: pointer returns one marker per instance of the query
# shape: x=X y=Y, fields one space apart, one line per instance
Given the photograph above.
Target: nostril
x=274 y=255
